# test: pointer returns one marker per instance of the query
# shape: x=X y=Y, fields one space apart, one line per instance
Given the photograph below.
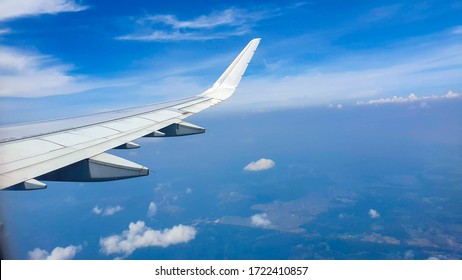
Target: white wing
x=73 y=149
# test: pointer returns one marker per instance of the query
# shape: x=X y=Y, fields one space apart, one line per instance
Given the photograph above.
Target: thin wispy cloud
x=409 y=99
x=260 y=165
x=182 y=36
x=457 y=30
x=381 y=13
x=216 y=25
x=25 y=74
x=228 y=17
x=108 y=211
x=139 y=235
x=58 y=253
x=28 y=74
x=10 y=9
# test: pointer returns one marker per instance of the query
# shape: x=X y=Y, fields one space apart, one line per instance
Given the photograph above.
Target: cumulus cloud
x=139 y=235
x=260 y=165
x=108 y=211
x=152 y=209
x=260 y=220
x=411 y=98
x=58 y=253
x=10 y=9
x=374 y=214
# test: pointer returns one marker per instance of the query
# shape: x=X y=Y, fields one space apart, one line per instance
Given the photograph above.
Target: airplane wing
x=73 y=149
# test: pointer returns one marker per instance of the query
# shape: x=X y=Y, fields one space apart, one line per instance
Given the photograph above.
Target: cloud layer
x=139 y=235
x=411 y=98
x=414 y=65
x=58 y=253
x=260 y=165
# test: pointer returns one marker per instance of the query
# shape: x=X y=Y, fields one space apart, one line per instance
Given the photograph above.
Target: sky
x=63 y=58
x=100 y=55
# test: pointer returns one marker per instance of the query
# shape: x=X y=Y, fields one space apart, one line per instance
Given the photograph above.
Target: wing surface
x=73 y=149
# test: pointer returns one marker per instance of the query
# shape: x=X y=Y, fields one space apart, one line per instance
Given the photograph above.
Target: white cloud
x=188 y=190
x=96 y=210
x=24 y=74
x=411 y=98
x=374 y=214
x=152 y=209
x=58 y=253
x=108 y=211
x=10 y=9
x=228 y=17
x=260 y=165
x=181 y=36
x=260 y=220
x=112 y=210
x=139 y=235
x=218 y=24
x=438 y=257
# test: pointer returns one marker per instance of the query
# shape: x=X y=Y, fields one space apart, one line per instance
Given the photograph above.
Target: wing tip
x=255 y=42
x=232 y=75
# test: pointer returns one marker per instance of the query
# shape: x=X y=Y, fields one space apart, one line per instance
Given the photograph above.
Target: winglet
x=229 y=80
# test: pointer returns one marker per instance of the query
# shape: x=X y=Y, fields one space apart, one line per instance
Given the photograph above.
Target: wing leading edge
x=73 y=149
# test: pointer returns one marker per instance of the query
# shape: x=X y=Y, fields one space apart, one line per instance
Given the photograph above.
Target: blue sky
x=100 y=55
x=65 y=57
